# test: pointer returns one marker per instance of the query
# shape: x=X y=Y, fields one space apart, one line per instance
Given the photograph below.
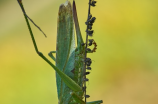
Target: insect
x=70 y=60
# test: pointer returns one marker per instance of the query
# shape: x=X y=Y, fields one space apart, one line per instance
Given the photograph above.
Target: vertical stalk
x=86 y=47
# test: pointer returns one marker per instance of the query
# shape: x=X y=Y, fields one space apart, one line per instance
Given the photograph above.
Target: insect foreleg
x=50 y=54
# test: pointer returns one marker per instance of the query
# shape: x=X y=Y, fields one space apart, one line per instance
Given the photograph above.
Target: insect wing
x=65 y=49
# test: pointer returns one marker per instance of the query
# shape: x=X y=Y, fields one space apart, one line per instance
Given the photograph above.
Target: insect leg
x=77 y=98
x=50 y=54
x=69 y=82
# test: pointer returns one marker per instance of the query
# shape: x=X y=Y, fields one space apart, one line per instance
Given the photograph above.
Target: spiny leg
x=69 y=82
x=32 y=36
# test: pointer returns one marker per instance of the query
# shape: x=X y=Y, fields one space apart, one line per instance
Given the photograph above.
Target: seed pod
x=89 y=63
x=89 y=17
x=84 y=88
x=86 y=79
x=87 y=60
x=89 y=27
x=86 y=73
x=90 y=42
x=83 y=44
x=87 y=96
x=90 y=33
x=90 y=24
x=88 y=68
x=92 y=20
x=86 y=23
x=93 y=3
x=89 y=50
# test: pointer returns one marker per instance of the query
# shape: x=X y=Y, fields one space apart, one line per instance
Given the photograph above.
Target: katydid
x=70 y=60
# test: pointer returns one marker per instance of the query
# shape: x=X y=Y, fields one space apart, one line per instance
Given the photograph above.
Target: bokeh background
x=124 y=68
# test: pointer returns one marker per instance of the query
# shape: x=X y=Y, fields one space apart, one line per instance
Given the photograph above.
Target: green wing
x=65 y=50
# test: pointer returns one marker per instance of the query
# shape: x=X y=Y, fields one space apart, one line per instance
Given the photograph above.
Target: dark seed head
x=89 y=50
x=90 y=42
x=89 y=32
x=84 y=88
x=86 y=79
x=93 y=3
x=87 y=60
x=87 y=96
x=91 y=24
x=86 y=73
x=88 y=63
x=90 y=27
x=86 y=23
x=92 y=20
x=83 y=44
x=89 y=17
x=88 y=68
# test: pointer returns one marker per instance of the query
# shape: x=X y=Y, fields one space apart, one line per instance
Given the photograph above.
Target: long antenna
x=19 y=1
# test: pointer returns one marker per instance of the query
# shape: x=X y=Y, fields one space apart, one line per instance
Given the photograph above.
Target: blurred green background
x=125 y=66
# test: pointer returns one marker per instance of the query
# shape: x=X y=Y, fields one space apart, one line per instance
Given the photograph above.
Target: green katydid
x=70 y=60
